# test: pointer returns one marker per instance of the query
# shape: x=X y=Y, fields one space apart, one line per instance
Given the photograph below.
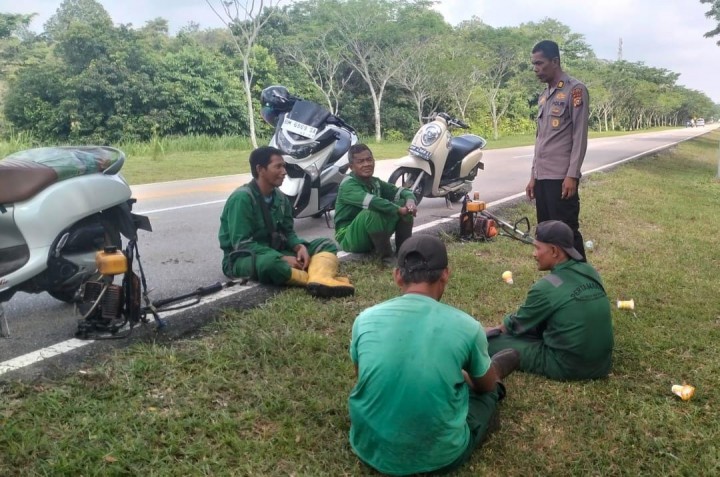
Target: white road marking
x=188 y=206
x=520 y=157
x=72 y=344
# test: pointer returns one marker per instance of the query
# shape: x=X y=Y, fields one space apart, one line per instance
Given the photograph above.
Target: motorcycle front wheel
x=406 y=177
x=456 y=197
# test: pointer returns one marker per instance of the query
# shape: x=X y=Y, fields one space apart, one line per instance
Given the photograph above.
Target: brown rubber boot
x=383 y=247
x=403 y=231
x=506 y=361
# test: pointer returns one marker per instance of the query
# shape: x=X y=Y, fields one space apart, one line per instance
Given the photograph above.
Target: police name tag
x=299 y=128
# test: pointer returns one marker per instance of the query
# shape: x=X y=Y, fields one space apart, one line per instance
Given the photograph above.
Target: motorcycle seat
x=20 y=180
x=25 y=173
x=461 y=146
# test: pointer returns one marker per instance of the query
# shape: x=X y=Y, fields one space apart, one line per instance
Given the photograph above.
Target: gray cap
x=422 y=252
x=559 y=234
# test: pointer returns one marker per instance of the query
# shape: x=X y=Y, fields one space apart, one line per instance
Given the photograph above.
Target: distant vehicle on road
x=700 y=122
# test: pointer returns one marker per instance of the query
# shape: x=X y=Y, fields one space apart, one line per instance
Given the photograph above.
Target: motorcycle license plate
x=420 y=152
x=299 y=128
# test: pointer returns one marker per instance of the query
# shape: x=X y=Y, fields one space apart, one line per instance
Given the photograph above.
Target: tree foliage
x=380 y=64
x=713 y=13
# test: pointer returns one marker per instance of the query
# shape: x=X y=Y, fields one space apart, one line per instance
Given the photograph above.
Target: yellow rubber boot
x=298 y=278
x=321 y=277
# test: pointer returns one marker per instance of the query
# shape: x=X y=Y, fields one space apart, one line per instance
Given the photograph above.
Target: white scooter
x=440 y=165
x=315 y=143
x=59 y=206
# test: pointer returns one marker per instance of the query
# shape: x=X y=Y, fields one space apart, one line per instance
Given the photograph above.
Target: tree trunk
x=376 y=110
x=248 y=96
x=419 y=105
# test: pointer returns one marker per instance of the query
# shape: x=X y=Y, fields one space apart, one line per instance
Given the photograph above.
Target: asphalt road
x=182 y=253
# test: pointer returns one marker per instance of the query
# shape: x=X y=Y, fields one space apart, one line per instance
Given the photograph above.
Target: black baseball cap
x=422 y=252
x=559 y=234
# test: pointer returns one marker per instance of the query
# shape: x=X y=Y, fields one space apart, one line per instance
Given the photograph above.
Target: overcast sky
x=660 y=33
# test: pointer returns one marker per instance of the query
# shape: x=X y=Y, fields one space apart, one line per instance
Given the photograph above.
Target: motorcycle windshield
x=299 y=131
x=309 y=113
x=71 y=161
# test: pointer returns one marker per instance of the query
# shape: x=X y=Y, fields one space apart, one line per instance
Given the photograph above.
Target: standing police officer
x=561 y=142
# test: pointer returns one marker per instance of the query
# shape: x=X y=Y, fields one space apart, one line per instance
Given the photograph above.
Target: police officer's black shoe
x=506 y=361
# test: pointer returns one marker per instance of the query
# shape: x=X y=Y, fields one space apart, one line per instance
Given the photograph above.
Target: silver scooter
x=315 y=144
x=59 y=206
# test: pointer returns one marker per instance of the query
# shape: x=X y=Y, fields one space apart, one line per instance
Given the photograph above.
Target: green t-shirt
x=409 y=407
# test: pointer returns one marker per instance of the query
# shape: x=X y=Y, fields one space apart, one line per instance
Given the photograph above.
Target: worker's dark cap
x=422 y=252
x=559 y=234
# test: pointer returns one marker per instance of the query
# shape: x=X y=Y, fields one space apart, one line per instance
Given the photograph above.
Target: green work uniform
x=411 y=410
x=364 y=208
x=564 y=328
x=246 y=241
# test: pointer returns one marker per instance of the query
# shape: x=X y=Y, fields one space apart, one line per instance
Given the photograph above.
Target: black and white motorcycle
x=315 y=144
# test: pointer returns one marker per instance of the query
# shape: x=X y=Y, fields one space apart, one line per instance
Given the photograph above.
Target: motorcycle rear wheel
x=405 y=177
x=68 y=293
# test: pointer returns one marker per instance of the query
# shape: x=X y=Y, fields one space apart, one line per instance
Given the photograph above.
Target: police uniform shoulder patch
x=577 y=96
x=560 y=84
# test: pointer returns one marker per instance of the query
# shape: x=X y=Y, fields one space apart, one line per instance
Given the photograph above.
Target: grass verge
x=264 y=391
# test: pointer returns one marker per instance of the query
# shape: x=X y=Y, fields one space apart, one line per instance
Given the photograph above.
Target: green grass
x=264 y=392
x=196 y=156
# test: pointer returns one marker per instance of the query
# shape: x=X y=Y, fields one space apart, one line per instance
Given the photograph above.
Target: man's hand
x=302 y=256
x=293 y=262
x=411 y=207
x=403 y=211
x=530 y=189
x=569 y=187
x=491 y=331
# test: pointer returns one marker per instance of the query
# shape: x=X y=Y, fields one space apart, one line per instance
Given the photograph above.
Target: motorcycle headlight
x=430 y=135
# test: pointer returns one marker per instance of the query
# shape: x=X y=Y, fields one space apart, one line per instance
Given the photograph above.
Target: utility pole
x=620 y=50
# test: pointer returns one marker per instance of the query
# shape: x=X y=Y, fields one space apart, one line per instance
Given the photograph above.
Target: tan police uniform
x=562 y=130
x=560 y=146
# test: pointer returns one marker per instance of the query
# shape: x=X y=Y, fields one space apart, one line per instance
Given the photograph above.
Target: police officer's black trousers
x=550 y=206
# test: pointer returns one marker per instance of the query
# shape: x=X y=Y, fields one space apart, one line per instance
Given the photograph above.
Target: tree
x=379 y=37
x=713 y=13
x=245 y=20
x=316 y=48
x=88 y=12
x=422 y=79
x=500 y=55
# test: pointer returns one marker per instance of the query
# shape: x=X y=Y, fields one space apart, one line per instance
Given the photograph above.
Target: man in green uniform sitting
x=427 y=391
x=369 y=210
x=258 y=238
x=564 y=328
